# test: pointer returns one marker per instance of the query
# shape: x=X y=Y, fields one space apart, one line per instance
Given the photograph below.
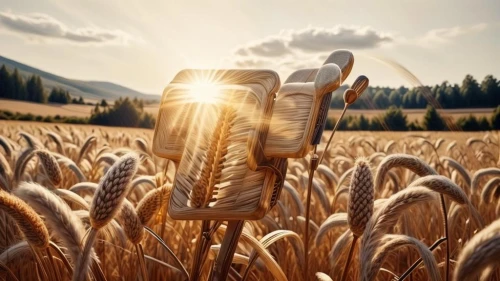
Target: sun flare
x=203 y=92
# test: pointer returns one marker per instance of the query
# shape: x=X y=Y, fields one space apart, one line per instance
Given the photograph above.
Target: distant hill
x=86 y=89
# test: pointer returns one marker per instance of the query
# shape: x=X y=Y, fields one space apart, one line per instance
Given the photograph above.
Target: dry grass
x=407 y=214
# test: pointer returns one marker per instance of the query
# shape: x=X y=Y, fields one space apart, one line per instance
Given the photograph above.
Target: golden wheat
x=412 y=169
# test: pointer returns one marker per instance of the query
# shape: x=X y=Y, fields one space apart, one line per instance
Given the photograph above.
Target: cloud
x=44 y=27
x=446 y=35
x=269 y=47
x=308 y=47
x=293 y=49
x=317 y=39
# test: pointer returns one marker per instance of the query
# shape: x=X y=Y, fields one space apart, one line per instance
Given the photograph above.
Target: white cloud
x=317 y=39
x=305 y=48
x=446 y=35
x=43 y=27
x=302 y=48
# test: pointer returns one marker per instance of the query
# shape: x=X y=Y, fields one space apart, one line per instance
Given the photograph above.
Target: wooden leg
x=200 y=246
x=226 y=253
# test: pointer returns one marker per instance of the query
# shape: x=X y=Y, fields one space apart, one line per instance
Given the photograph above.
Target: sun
x=203 y=92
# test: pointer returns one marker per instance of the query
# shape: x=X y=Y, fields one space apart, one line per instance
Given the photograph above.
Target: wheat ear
x=131 y=223
x=384 y=218
x=50 y=166
x=479 y=174
x=26 y=218
x=488 y=190
x=58 y=216
x=391 y=242
x=360 y=206
x=481 y=251
x=106 y=203
x=134 y=231
x=410 y=162
x=112 y=190
x=361 y=198
x=151 y=203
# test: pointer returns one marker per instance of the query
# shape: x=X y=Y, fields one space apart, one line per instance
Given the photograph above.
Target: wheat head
x=26 y=218
x=361 y=196
x=50 y=166
x=112 y=189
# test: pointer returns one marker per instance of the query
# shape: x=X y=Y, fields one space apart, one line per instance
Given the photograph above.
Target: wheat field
x=80 y=110
x=90 y=203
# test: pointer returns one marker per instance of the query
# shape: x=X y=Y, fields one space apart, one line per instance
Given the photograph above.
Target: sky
x=143 y=44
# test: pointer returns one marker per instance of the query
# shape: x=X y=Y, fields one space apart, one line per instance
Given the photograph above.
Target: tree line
x=394 y=119
x=129 y=113
x=13 y=86
x=470 y=94
x=123 y=113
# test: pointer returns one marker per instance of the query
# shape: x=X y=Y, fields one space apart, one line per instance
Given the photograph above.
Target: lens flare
x=203 y=92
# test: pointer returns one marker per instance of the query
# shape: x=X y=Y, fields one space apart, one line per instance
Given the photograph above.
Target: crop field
x=381 y=202
x=77 y=110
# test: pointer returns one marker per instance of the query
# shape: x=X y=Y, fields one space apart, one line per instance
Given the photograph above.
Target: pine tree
x=491 y=91
x=484 y=125
x=40 y=95
x=363 y=123
x=395 y=119
x=395 y=98
x=31 y=88
x=5 y=82
x=96 y=109
x=381 y=100
x=433 y=121
x=471 y=92
x=495 y=119
x=410 y=99
x=19 y=88
x=453 y=96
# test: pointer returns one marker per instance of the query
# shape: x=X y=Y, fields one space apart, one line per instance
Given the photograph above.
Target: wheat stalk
x=481 y=251
x=134 y=230
x=391 y=242
x=106 y=203
x=384 y=218
x=58 y=216
x=410 y=162
x=489 y=188
x=360 y=206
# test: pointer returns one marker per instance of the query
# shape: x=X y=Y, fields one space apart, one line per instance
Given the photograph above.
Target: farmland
x=76 y=110
x=83 y=154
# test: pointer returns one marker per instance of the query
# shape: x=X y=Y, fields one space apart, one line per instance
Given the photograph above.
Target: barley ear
x=26 y=218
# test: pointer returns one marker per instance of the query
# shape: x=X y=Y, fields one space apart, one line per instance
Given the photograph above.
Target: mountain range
x=87 y=89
